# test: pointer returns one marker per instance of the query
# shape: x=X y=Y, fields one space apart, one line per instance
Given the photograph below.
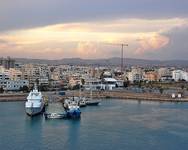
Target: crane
x=122 y=52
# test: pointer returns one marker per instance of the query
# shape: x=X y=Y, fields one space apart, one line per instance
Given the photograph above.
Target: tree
x=43 y=87
x=25 y=88
x=37 y=82
x=182 y=86
x=1 y=90
x=140 y=84
x=82 y=81
x=161 y=90
x=126 y=83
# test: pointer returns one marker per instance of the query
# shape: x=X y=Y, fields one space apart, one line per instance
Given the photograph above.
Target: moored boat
x=54 y=115
x=82 y=102
x=35 y=103
x=72 y=108
x=92 y=102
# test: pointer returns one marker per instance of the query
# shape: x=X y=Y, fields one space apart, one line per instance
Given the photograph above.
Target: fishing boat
x=72 y=108
x=73 y=112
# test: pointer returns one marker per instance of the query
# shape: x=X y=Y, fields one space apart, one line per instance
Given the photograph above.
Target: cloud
x=153 y=43
x=178 y=45
x=146 y=39
x=22 y=14
x=86 y=49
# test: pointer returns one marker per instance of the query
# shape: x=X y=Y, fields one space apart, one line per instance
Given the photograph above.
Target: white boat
x=90 y=101
x=54 y=115
x=93 y=102
x=82 y=102
x=35 y=103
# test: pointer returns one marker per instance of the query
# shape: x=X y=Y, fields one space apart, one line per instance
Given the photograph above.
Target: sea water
x=113 y=125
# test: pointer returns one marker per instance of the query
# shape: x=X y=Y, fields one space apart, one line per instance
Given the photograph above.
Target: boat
x=82 y=102
x=71 y=101
x=81 y=99
x=73 y=112
x=55 y=115
x=72 y=108
x=35 y=103
x=92 y=102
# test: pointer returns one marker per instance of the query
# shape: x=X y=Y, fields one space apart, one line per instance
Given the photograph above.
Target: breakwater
x=124 y=95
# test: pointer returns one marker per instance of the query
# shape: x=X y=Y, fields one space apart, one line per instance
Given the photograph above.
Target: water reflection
x=73 y=140
x=33 y=128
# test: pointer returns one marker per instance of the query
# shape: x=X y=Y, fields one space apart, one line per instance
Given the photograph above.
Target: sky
x=56 y=29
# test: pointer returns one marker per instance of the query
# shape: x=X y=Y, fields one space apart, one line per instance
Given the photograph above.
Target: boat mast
x=91 y=92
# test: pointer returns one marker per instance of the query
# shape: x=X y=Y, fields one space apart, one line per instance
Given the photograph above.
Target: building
x=7 y=63
x=74 y=81
x=15 y=85
x=11 y=85
x=15 y=74
x=92 y=84
x=179 y=75
x=162 y=72
x=109 y=83
x=150 y=76
x=135 y=75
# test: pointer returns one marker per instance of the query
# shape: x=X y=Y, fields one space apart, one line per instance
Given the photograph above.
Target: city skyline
x=63 y=29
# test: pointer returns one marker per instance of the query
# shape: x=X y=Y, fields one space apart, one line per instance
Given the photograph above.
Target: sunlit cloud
x=86 y=40
x=153 y=43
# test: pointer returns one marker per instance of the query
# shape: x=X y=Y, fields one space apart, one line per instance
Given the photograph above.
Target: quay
x=13 y=97
x=124 y=95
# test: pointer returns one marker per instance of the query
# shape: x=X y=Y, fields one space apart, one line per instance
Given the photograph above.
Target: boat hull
x=73 y=114
x=92 y=103
x=34 y=111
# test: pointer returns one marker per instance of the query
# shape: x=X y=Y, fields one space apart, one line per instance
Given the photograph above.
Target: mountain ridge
x=115 y=61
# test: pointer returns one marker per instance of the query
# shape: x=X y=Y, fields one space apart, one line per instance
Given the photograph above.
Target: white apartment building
x=11 y=85
x=136 y=74
x=109 y=83
x=92 y=83
x=179 y=75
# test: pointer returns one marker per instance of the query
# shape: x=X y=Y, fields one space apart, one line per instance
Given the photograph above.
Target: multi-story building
x=15 y=74
x=151 y=76
x=7 y=62
x=163 y=72
x=178 y=75
x=11 y=85
x=35 y=73
x=136 y=74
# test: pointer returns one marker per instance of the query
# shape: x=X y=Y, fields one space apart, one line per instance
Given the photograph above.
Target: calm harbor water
x=114 y=125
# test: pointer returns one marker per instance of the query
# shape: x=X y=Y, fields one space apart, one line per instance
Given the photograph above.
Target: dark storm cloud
x=16 y=14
